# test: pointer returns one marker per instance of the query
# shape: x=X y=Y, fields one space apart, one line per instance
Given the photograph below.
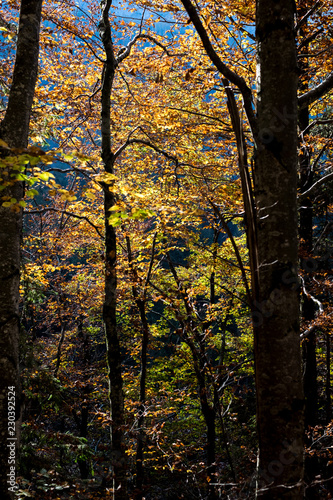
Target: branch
x=312 y=328
x=200 y=114
x=7 y=25
x=65 y=212
x=321 y=152
x=125 y=51
x=104 y=28
x=306 y=16
x=324 y=231
x=271 y=487
x=316 y=93
x=181 y=291
x=222 y=67
x=308 y=332
x=150 y=264
x=80 y=37
x=313 y=124
x=239 y=259
x=309 y=39
x=144 y=143
x=315 y=186
x=248 y=198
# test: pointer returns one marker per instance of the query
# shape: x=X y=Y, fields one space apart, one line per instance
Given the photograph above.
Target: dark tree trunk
x=143 y=376
x=305 y=229
x=14 y=130
x=275 y=283
x=276 y=325
x=118 y=460
x=195 y=341
x=82 y=426
x=140 y=301
x=328 y=379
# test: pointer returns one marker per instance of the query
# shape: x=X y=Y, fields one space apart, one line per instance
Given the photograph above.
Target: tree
x=109 y=307
x=171 y=170
x=14 y=131
x=277 y=338
x=276 y=333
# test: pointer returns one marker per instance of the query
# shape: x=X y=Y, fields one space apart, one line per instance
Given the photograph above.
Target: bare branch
x=238 y=256
x=316 y=185
x=313 y=124
x=309 y=39
x=150 y=264
x=125 y=51
x=316 y=93
x=149 y=144
x=222 y=67
x=80 y=37
x=306 y=16
x=65 y=212
x=308 y=332
x=201 y=114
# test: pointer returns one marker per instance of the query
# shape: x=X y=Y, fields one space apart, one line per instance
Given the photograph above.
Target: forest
x=166 y=247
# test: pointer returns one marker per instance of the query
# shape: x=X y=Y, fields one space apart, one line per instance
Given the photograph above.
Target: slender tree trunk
x=14 y=130
x=328 y=379
x=118 y=456
x=194 y=339
x=143 y=376
x=141 y=305
x=305 y=229
x=276 y=325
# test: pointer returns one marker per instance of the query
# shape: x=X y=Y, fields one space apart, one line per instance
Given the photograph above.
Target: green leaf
x=45 y=176
x=32 y=192
x=141 y=214
x=34 y=160
x=22 y=177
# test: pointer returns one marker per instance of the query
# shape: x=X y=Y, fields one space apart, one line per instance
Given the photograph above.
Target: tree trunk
x=328 y=379
x=305 y=230
x=14 y=130
x=140 y=301
x=118 y=456
x=276 y=323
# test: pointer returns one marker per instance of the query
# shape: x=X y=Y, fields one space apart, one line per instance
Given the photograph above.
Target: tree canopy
x=171 y=214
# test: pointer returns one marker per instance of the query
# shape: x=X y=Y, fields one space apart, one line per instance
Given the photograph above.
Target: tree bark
x=118 y=456
x=276 y=325
x=14 y=130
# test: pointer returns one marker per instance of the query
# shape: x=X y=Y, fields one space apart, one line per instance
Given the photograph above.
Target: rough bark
x=118 y=456
x=276 y=325
x=14 y=130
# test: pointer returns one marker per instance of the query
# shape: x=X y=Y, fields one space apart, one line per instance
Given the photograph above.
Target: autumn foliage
x=183 y=266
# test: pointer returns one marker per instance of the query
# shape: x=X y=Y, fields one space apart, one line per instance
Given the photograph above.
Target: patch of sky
x=138 y=15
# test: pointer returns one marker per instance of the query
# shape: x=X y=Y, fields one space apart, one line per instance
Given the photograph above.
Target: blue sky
x=123 y=12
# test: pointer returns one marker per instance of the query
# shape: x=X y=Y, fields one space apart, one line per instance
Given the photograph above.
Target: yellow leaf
x=4 y=144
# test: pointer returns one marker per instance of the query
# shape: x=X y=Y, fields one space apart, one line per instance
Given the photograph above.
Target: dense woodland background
x=169 y=182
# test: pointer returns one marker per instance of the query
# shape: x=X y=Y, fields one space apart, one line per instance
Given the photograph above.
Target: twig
x=65 y=212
